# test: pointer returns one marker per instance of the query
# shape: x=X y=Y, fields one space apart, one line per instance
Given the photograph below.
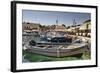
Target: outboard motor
x=32 y=43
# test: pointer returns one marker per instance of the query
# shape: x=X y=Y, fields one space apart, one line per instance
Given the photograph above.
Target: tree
x=64 y=25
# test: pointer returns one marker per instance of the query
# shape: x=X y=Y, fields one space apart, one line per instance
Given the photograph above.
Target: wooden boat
x=59 y=51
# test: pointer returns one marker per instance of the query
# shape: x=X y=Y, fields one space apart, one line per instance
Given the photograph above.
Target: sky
x=51 y=17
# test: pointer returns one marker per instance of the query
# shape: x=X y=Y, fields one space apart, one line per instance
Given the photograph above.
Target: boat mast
x=74 y=22
x=57 y=21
